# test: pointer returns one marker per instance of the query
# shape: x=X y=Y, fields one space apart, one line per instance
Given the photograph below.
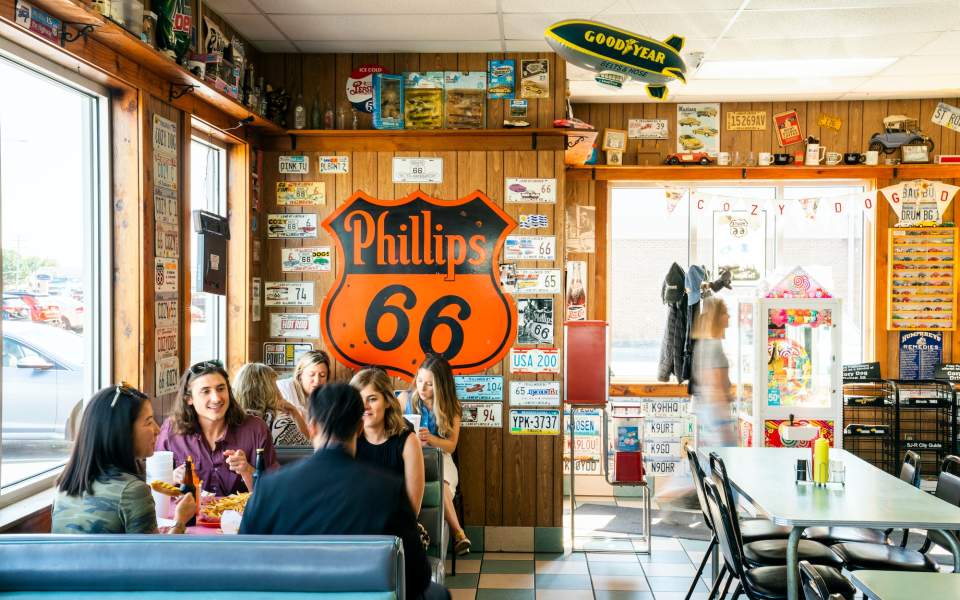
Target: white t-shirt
x=288 y=390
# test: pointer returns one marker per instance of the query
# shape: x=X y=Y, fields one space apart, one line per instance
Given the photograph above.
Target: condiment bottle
x=821 y=461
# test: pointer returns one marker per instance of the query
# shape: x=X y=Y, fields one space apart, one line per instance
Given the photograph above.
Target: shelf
x=131 y=47
x=713 y=172
x=413 y=140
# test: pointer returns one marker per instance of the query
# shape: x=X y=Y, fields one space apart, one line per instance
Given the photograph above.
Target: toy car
x=688 y=158
x=689 y=142
x=900 y=130
x=692 y=121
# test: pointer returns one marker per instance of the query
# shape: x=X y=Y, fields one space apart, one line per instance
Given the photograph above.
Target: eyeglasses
x=124 y=388
x=207 y=365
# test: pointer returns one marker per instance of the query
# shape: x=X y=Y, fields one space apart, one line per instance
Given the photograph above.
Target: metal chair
x=948 y=490
x=431 y=511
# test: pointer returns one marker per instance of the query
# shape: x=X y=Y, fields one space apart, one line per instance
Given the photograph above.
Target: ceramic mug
x=723 y=159
x=853 y=158
x=798 y=157
x=871 y=157
x=765 y=159
x=815 y=154
x=782 y=158
x=834 y=158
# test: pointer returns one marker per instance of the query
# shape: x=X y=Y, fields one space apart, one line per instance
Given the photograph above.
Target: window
x=55 y=249
x=647 y=239
x=208 y=191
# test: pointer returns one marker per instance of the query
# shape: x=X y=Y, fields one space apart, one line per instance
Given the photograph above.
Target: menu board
x=861 y=371
x=920 y=353
x=923 y=282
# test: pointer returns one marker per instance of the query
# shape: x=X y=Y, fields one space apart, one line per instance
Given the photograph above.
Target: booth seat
x=234 y=567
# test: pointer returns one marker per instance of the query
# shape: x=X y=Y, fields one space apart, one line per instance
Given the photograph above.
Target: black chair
x=759 y=583
x=458 y=508
x=768 y=553
x=431 y=511
x=948 y=490
x=813 y=585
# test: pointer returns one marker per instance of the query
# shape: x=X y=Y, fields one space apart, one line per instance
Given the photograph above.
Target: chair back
x=698 y=477
x=948 y=482
x=813 y=586
x=719 y=471
x=431 y=509
x=910 y=470
x=725 y=527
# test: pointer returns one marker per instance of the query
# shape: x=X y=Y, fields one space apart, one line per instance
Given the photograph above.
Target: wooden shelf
x=713 y=172
x=376 y=140
x=130 y=46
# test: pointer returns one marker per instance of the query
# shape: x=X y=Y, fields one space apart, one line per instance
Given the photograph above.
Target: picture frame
x=614 y=139
x=915 y=154
x=614 y=157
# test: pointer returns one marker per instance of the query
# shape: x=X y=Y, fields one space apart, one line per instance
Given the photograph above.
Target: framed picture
x=915 y=154
x=614 y=139
x=698 y=128
x=739 y=244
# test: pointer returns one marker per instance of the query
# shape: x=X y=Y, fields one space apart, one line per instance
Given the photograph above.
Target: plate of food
x=210 y=512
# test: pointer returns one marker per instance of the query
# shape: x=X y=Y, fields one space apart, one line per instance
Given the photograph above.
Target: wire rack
x=926 y=422
x=870 y=422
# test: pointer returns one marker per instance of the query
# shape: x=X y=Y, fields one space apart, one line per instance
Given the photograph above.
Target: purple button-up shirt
x=211 y=465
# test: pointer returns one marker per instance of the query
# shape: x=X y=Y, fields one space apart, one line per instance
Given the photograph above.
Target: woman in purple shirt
x=208 y=425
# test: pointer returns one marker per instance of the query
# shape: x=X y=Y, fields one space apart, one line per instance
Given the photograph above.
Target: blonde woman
x=434 y=398
x=255 y=388
x=312 y=371
x=711 y=376
x=387 y=439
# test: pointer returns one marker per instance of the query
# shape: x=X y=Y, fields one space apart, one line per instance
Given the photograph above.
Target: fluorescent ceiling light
x=792 y=68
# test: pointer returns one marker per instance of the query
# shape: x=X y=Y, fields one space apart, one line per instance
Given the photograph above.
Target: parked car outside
x=71 y=311
x=15 y=309
x=41 y=309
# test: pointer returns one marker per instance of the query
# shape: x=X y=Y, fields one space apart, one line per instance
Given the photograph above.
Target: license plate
x=582 y=466
x=657 y=449
x=481 y=414
x=664 y=428
x=662 y=467
x=535 y=422
x=665 y=407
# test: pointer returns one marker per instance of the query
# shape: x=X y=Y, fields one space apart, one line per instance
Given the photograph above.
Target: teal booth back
x=221 y=567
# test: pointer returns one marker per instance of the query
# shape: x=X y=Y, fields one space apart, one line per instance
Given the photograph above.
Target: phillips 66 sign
x=418 y=275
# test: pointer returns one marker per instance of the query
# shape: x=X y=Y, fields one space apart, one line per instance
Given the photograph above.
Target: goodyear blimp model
x=617 y=55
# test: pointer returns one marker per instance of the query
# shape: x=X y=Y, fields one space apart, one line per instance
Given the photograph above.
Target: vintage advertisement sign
x=166 y=275
x=530 y=247
x=165 y=171
x=297 y=225
x=360 y=87
x=32 y=18
x=531 y=191
x=534 y=393
x=294 y=165
x=166 y=342
x=920 y=353
x=533 y=361
x=294 y=325
x=418 y=275
x=576 y=292
x=748 y=120
x=535 y=321
x=164 y=136
x=647 y=129
x=947 y=116
x=288 y=293
x=417 y=170
x=534 y=222
x=333 y=165
x=301 y=193
x=698 y=128
x=788 y=128
x=486 y=388
x=533 y=421
x=481 y=414
x=168 y=375
x=256 y=299
x=165 y=206
x=537 y=281
x=305 y=260
x=535 y=78
x=581 y=229
x=167 y=239
x=165 y=313
x=284 y=356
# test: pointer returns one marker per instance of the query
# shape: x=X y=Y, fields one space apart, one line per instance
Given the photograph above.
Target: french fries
x=236 y=502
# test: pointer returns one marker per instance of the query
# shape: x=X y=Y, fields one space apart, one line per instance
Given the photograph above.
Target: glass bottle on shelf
x=299 y=113
x=262 y=98
x=341 y=119
x=246 y=91
x=328 y=117
x=316 y=117
x=356 y=119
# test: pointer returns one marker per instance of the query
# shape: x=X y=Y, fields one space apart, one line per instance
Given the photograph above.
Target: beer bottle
x=258 y=467
x=188 y=486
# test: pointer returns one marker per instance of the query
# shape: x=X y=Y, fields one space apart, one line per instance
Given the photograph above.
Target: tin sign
x=947 y=116
x=295 y=325
x=284 y=356
x=538 y=281
x=165 y=275
x=288 y=293
x=301 y=193
x=750 y=120
x=647 y=129
x=31 y=18
x=165 y=171
x=418 y=170
x=531 y=191
x=481 y=414
x=297 y=225
x=166 y=342
x=530 y=247
x=360 y=87
x=168 y=375
x=305 y=260
x=487 y=388
x=333 y=165
x=164 y=136
x=165 y=313
x=533 y=221
x=167 y=239
x=533 y=361
x=165 y=205
x=534 y=421
x=294 y=165
x=534 y=393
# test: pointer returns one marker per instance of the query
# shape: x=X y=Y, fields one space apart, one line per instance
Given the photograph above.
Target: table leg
x=954 y=548
x=793 y=564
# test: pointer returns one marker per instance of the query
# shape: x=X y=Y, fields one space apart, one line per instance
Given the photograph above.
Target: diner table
x=895 y=585
x=870 y=498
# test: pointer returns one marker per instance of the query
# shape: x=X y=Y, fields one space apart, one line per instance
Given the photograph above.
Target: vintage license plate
x=947 y=116
x=534 y=360
x=751 y=120
x=294 y=225
x=165 y=171
x=534 y=393
x=530 y=247
x=538 y=281
x=647 y=129
x=166 y=275
x=166 y=342
x=418 y=170
x=582 y=466
x=294 y=165
x=165 y=313
x=305 y=260
x=164 y=136
x=284 y=356
x=167 y=240
x=294 y=325
x=487 y=388
x=168 y=375
x=531 y=191
x=662 y=449
x=333 y=165
x=662 y=467
x=665 y=428
x=665 y=407
x=288 y=293
x=481 y=414
x=534 y=422
x=165 y=205
x=301 y=193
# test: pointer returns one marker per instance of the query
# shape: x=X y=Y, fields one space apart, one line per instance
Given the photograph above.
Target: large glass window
x=208 y=191
x=648 y=238
x=53 y=244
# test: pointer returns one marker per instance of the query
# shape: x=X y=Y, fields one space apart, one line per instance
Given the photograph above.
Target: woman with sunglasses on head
x=386 y=439
x=312 y=372
x=208 y=425
x=102 y=488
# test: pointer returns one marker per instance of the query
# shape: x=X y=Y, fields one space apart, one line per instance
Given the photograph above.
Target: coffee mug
x=765 y=159
x=834 y=158
x=723 y=159
x=798 y=157
x=853 y=158
x=782 y=159
x=871 y=157
x=815 y=154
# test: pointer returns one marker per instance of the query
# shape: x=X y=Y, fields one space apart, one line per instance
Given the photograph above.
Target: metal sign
x=531 y=421
x=165 y=313
x=168 y=375
x=530 y=247
x=665 y=407
x=165 y=206
x=166 y=342
x=647 y=129
x=667 y=428
x=531 y=191
x=533 y=361
x=749 y=120
x=481 y=414
x=167 y=240
x=333 y=165
x=534 y=393
x=297 y=225
x=165 y=275
x=294 y=325
x=284 y=356
x=534 y=221
x=947 y=116
x=288 y=293
x=294 y=165
x=301 y=193
x=487 y=388
x=165 y=171
x=538 y=281
x=861 y=371
x=305 y=260
x=418 y=170
x=164 y=136
x=535 y=321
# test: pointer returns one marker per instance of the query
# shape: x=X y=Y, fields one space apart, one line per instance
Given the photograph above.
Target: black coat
x=675 y=335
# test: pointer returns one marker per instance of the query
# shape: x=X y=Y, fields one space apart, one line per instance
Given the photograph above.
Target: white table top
x=896 y=585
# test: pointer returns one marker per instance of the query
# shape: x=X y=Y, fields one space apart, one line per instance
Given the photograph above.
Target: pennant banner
x=919 y=201
x=808 y=208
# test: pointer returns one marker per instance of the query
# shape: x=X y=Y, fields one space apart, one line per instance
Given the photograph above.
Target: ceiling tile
x=527 y=46
x=382 y=46
x=530 y=26
x=947 y=85
x=911 y=66
x=254 y=27
x=274 y=46
x=944 y=43
x=382 y=7
x=592 y=7
x=835 y=47
x=898 y=21
x=394 y=27
x=226 y=7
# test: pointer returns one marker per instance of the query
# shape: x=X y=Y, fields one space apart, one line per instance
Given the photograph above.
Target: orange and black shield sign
x=418 y=276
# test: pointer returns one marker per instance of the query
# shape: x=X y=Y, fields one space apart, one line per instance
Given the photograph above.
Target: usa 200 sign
x=418 y=275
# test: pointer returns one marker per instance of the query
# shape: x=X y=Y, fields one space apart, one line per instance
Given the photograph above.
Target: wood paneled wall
x=860 y=119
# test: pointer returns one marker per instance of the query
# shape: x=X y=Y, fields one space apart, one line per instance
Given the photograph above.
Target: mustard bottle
x=821 y=460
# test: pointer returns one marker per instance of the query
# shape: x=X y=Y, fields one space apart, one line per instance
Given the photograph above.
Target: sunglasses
x=127 y=390
x=207 y=365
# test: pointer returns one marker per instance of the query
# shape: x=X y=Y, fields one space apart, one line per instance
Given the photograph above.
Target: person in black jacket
x=330 y=493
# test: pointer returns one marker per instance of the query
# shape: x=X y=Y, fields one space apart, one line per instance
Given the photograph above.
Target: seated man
x=330 y=493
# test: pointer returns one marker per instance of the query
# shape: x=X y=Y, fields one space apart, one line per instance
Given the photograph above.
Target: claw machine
x=789 y=377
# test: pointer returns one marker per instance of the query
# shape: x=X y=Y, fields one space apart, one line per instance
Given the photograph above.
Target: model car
x=706 y=112
x=690 y=143
x=691 y=121
x=899 y=130
x=688 y=158
x=705 y=131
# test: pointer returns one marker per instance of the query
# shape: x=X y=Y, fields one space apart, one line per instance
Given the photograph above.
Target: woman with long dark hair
x=102 y=489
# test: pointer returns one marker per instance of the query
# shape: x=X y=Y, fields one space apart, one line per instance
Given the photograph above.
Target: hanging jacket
x=674 y=295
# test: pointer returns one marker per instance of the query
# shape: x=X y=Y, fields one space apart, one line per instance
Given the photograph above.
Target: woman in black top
x=386 y=439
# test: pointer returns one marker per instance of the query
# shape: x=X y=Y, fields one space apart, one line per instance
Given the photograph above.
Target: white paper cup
x=414 y=420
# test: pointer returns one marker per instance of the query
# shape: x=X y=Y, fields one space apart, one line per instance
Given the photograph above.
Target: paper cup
x=414 y=420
